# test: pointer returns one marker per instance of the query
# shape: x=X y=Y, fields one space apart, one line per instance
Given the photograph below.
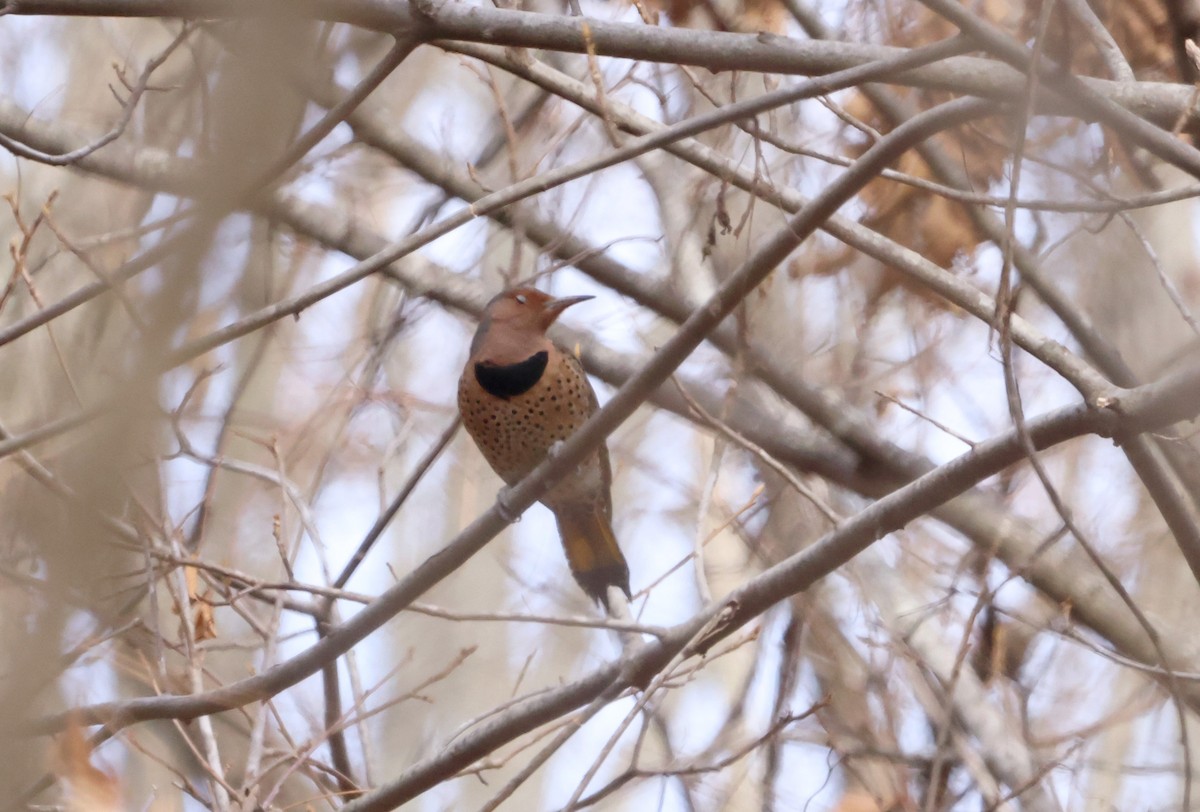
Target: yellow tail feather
x=592 y=552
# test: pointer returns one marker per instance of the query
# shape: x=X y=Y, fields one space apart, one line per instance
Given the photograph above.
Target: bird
x=520 y=395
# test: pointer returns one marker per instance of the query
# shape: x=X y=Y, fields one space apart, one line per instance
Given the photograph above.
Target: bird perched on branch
x=521 y=394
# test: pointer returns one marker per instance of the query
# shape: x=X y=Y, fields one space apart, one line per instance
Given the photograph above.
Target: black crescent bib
x=511 y=380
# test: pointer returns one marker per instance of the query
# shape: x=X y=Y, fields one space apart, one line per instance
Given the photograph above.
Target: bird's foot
x=555 y=448
x=506 y=512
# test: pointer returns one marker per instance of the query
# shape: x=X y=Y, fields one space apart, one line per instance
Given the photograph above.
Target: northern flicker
x=519 y=395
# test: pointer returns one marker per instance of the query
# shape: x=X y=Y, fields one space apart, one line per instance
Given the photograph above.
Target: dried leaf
x=191 y=577
x=204 y=624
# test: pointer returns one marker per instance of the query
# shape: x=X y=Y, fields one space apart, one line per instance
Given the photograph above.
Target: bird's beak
x=556 y=306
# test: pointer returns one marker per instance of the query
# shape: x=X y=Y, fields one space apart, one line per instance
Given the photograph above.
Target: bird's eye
x=521 y=298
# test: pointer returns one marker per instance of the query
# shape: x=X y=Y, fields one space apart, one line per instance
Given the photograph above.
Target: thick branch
x=1161 y=103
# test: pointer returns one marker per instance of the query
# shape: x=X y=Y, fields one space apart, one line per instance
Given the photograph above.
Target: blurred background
x=186 y=475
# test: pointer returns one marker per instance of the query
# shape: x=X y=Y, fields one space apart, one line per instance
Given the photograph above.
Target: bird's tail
x=592 y=552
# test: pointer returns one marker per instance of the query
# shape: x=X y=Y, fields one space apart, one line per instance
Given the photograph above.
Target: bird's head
x=527 y=309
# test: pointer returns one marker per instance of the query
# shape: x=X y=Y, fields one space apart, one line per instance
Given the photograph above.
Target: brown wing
x=593 y=407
